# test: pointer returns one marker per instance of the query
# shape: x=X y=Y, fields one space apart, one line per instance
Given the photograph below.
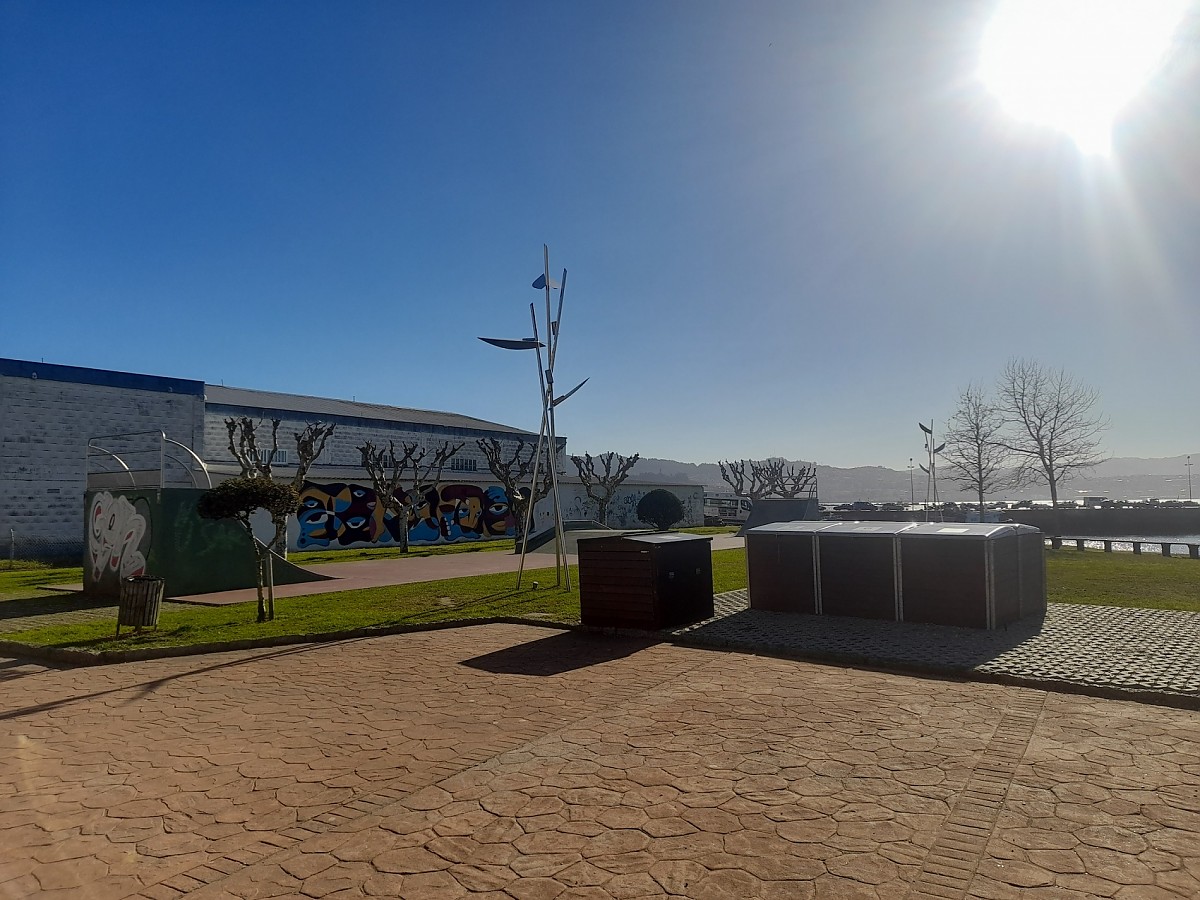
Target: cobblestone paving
x=1142 y=650
x=504 y=761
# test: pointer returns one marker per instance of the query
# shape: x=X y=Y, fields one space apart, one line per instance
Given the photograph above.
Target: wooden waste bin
x=648 y=581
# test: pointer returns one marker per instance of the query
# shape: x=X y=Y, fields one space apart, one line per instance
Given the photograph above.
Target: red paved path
x=513 y=762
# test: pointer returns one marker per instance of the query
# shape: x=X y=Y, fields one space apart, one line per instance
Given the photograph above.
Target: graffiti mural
x=343 y=514
x=115 y=532
x=622 y=511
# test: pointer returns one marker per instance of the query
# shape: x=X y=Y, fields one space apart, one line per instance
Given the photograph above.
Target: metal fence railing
x=17 y=547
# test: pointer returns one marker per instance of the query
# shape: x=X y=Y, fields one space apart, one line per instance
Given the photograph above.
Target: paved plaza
x=1148 y=654
x=509 y=761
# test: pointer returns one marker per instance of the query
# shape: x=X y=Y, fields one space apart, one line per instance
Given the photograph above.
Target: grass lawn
x=24 y=579
x=479 y=596
x=1108 y=579
x=1122 y=579
x=318 y=557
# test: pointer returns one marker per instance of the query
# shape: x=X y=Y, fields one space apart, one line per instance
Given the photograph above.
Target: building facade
x=65 y=429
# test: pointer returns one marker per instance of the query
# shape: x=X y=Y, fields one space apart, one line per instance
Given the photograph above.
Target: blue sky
x=791 y=228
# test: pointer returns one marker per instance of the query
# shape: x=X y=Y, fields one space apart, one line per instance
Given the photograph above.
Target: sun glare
x=1072 y=65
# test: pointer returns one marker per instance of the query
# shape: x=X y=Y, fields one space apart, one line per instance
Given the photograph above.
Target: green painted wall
x=194 y=555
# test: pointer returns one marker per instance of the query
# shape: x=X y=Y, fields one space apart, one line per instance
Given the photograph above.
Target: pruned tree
x=398 y=478
x=974 y=453
x=514 y=471
x=601 y=485
x=660 y=508
x=783 y=479
x=746 y=477
x=238 y=499
x=1051 y=425
x=256 y=463
x=243 y=445
x=310 y=444
x=768 y=477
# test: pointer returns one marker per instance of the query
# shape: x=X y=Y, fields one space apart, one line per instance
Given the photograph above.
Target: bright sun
x=1073 y=64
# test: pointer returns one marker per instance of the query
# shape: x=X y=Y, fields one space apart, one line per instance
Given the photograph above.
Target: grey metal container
x=974 y=576
x=781 y=566
x=859 y=569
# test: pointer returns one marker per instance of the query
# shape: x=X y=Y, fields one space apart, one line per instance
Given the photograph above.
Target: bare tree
x=784 y=479
x=513 y=471
x=974 y=451
x=1051 y=425
x=310 y=444
x=768 y=477
x=255 y=463
x=753 y=484
x=243 y=445
x=600 y=486
x=392 y=475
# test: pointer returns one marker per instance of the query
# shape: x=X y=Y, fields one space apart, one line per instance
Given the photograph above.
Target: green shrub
x=238 y=498
x=660 y=508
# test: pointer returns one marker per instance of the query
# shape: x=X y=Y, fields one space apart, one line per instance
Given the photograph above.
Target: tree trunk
x=1054 y=505
x=279 y=545
x=262 y=605
x=602 y=509
x=403 y=517
x=980 y=505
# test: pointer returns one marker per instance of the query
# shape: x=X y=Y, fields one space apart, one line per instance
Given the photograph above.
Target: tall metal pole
x=911 y=491
x=560 y=554
x=1189 y=468
x=547 y=433
x=537 y=457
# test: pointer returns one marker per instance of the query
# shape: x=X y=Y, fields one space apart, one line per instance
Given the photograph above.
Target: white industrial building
x=61 y=426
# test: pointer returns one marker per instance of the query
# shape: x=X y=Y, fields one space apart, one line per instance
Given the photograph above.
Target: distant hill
x=1124 y=478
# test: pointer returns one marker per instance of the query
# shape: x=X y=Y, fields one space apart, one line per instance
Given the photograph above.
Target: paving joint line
x=391 y=794
x=958 y=847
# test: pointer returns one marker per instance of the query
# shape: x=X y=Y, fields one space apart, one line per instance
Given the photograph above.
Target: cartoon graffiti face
x=497 y=518
x=345 y=513
x=115 y=531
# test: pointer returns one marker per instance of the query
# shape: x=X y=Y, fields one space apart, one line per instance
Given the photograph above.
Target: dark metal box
x=649 y=581
x=859 y=569
x=781 y=566
x=974 y=576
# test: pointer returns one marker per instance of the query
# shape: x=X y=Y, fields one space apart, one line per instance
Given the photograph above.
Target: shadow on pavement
x=141 y=689
x=871 y=642
x=563 y=652
x=44 y=606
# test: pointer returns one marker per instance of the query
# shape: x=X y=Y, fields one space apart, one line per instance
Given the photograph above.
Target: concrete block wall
x=45 y=424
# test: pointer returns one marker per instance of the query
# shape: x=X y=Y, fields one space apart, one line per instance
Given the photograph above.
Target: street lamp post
x=1189 y=468
x=547 y=436
x=931 y=491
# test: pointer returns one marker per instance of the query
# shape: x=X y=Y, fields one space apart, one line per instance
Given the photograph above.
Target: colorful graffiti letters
x=115 y=532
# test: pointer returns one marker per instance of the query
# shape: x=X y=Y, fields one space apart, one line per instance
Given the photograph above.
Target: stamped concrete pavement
x=507 y=761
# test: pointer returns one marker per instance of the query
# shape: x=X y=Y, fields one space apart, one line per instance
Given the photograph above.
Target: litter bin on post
x=649 y=581
x=140 y=601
